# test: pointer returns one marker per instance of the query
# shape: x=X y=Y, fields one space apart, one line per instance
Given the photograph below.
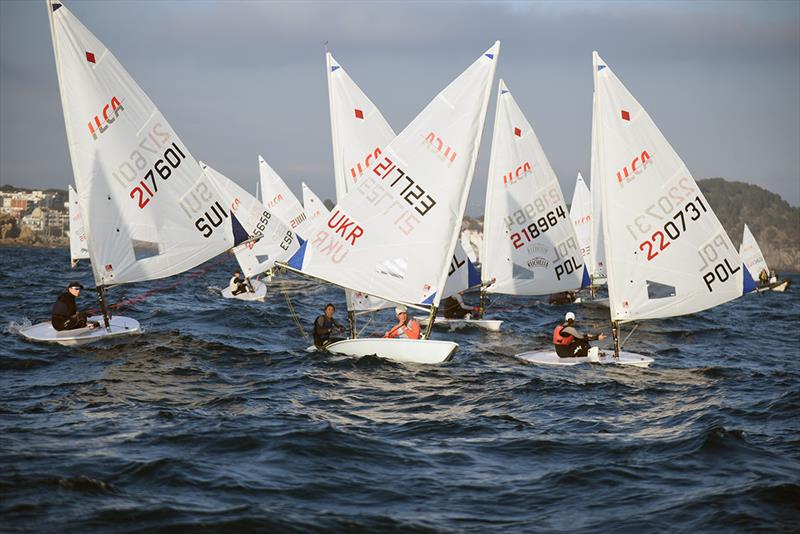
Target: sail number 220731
x=673 y=229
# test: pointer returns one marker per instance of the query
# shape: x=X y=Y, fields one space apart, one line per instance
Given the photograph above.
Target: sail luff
x=488 y=214
x=338 y=164
x=598 y=268
x=70 y=142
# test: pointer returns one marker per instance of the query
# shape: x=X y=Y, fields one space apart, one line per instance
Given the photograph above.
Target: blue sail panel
x=240 y=235
x=296 y=261
x=749 y=283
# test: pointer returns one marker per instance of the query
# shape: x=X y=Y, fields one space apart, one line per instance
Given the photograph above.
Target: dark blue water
x=216 y=417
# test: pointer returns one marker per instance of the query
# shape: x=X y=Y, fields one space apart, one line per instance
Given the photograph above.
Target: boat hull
x=780 y=287
x=399 y=350
x=549 y=357
x=260 y=292
x=45 y=333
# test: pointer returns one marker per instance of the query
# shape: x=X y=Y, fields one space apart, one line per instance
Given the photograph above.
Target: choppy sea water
x=216 y=418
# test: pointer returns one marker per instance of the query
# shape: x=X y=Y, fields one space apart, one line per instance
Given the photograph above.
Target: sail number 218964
x=537 y=227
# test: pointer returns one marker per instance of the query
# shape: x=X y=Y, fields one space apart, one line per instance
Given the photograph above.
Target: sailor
x=569 y=342
x=324 y=325
x=65 y=314
x=237 y=284
x=763 y=277
x=773 y=276
x=454 y=307
x=405 y=327
x=564 y=297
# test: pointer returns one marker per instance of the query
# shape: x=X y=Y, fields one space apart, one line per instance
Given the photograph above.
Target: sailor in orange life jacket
x=569 y=342
x=405 y=327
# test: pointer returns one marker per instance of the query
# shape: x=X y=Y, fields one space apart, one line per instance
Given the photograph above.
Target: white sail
x=359 y=132
x=468 y=248
x=277 y=242
x=394 y=234
x=597 y=269
x=78 y=249
x=280 y=200
x=315 y=209
x=580 y=211
x=148 y=208
x=751 y=254
x=667 y=252
x=530 y=247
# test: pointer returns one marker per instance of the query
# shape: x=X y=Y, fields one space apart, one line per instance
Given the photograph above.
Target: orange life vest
x=558 y=339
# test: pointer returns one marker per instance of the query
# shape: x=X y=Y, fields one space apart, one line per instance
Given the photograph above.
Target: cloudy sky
x=238 y=79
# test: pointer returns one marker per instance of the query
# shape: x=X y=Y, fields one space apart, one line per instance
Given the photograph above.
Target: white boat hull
x=549 y=357
x=260 y=292
x=492 y=325
x=780 y=287
x=399 y=350
x=45 y=333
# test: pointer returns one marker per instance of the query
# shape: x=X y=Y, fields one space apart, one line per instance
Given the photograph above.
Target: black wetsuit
x=237 y=285
x=65 y=314
x=579 y=346
x=322 y=331
x=453 y=308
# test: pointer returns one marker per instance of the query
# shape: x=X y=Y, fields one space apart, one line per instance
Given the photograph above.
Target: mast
x=101 y=297
x=431 y=320
x=615 y=334
x=351 y=320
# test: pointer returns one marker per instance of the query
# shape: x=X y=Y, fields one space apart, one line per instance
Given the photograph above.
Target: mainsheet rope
x=149 y=293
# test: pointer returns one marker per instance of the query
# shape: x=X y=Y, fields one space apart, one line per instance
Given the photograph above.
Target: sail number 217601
x=147 y=188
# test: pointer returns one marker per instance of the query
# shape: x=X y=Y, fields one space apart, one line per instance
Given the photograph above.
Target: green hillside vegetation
x=774 y=223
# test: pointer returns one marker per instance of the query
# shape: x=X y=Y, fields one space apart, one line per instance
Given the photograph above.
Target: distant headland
x=40 y=218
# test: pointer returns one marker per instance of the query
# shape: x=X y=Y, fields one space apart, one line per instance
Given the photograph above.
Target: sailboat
x=269 y=238
x=667 y=253
x=280 y=200
x=77 y=235
x=314 y=207
x=529 y=242
x=393 y=235
x=756 y=264
x=580 y=212
x=148 y=208
x=358 y=133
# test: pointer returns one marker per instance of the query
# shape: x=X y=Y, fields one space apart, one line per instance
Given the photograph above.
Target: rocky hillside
x=774 y=223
